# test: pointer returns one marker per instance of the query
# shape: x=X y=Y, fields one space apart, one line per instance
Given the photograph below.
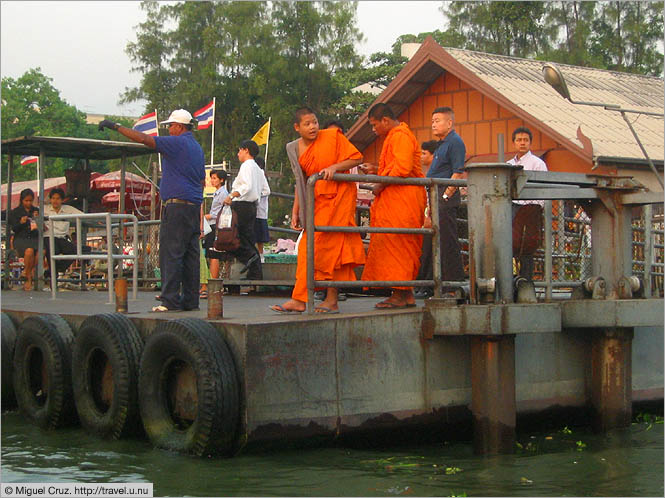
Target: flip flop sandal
x=387 y=305
x=278 y=308
x=163 y=309
x=203 y=295
x=325 y=311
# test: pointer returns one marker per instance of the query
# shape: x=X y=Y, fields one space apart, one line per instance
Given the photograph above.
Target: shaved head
x=302 y=111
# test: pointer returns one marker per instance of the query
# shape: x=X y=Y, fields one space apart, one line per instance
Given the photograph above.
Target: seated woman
x=26 y=235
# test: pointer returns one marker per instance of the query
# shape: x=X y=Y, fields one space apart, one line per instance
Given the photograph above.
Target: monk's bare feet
x=290 y=305
x=327 y=306
x=409 y=298
x=395 y=301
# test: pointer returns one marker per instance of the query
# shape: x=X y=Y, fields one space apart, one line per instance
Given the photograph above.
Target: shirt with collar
x=60 y=227
x=530 y=162
x=217 y=203
x=448 y=157
x=183 y=169
x=250 y=183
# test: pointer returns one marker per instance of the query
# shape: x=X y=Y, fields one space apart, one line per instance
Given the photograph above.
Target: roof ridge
x=560 y=64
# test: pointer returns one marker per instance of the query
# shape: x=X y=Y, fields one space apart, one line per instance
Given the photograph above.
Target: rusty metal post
x=215 y=298
x=647 y=214
x=493 y=394
x=612 y=248
x=8 y=228
x=40 y=222
x=309 y=233
x=490 y=227
x=611 y=378
x=121 y=295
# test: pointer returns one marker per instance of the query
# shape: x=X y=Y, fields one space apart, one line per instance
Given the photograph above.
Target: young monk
x=335 y=254
x=395 y=256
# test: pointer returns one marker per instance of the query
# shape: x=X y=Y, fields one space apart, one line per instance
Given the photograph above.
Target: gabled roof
x=518 y=86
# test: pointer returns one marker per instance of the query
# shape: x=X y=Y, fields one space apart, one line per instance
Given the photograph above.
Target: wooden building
x=492 y=95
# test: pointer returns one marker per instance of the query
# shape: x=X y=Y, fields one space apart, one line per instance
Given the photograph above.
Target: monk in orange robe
x=395 y=256
x=335 y=254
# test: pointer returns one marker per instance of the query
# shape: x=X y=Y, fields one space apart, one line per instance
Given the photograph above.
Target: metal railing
x=310 y=228
x=109 y=256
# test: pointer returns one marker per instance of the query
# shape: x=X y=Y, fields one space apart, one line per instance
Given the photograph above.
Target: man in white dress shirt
x=522 y=138
x=249 y=186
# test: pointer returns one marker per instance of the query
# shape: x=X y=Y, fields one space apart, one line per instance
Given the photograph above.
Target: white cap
x=179 y=116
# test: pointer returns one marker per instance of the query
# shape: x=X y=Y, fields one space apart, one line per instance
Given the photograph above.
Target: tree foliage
x=32 y=106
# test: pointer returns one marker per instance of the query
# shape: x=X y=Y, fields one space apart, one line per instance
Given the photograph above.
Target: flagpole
x=212 y=139
x=265 y=159
x=159 y=156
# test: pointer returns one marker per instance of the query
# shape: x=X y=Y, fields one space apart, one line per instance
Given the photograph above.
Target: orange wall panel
x=475 y=106
x=497 y=127
x=505 y=113
x=548 y=143
x=416 y=113
x=423 y=135
x=452 y=83
x=482 y=144
x=468 y=134
x=563 y=160
x=429 y=104
x=460 y=106
x=490 y=109
x=437 y=86
x=444 y=100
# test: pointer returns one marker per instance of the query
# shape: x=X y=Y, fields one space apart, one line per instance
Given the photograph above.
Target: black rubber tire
x=112 y=340
x=44 y=346
x=196 y=345
x=8 y=333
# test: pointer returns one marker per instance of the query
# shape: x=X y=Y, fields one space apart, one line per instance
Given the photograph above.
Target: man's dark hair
x=380 y=111
x=445 y=110
x=334 y=122
x=58 y=191
x=523 y=129
x=430 y=146
x=26 y=192
x=261 y=162
x=220 y=173
x=300 y=112
x=251 y=147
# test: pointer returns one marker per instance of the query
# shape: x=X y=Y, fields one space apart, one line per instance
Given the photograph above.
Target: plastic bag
x=225 y=217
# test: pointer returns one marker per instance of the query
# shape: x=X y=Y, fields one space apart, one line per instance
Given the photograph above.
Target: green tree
x=626 y=36
x=570 y=45
x=32 y=106
x=507 y=28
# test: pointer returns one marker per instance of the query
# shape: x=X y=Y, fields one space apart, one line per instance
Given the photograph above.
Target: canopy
x=111 y=181
x=77 y=148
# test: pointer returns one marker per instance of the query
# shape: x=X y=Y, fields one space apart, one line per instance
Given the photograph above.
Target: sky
x=81 y=45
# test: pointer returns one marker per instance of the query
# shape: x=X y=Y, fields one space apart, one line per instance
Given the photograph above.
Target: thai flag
x=147 y=124
x=29 y=160
x=204 y=115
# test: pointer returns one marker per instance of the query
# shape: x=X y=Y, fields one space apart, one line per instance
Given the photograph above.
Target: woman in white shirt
x=218 y=180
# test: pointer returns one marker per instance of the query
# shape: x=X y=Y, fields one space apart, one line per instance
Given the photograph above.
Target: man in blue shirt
x=181 y=191
x=448 y=162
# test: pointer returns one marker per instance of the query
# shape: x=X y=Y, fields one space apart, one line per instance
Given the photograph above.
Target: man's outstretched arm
x=136 y=136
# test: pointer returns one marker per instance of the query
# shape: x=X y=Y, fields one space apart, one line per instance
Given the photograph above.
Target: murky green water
x=624 y=463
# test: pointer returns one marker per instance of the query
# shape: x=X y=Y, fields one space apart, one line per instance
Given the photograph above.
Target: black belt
x=179 y=201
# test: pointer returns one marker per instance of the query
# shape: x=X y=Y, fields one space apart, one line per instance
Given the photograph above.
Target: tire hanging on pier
x=42 y=371
x=8 y=332
x=105 y=370
x=188 y=389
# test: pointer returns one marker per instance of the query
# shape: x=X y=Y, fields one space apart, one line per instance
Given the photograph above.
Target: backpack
x=227 y=237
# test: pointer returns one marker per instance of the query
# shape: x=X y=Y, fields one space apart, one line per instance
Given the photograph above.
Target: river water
x=566 y=462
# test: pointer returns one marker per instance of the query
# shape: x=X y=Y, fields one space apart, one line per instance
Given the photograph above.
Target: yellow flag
x=261 y=136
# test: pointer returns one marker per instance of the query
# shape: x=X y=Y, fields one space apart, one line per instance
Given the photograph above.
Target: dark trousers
x=62 y=246
x=526 y=262
x=246 y=212
x=452 y=267
x=179 y=255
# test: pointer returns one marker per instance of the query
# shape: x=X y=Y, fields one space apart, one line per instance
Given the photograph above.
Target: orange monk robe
x=335 y=254
x=397 y=256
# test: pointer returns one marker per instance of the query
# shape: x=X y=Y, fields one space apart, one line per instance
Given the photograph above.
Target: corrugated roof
x=518 y=85
x=78 y=148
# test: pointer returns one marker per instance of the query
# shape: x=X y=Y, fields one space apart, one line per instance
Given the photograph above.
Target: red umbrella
x=111 y=181
x=133 y=200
